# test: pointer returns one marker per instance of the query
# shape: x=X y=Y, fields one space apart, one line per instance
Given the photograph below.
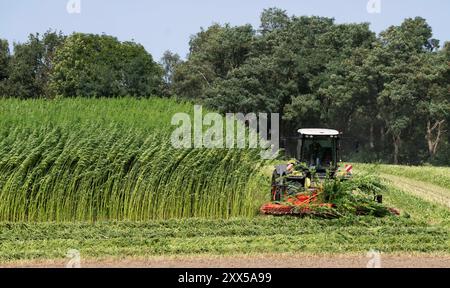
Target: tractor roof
x=318 y=132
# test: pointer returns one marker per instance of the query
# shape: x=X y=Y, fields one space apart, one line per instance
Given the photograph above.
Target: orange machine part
x=300 y=204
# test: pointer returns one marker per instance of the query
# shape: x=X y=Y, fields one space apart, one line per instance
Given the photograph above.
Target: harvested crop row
x=90 y=160
x=425 y=190
x=439 y=176
x=217 y=236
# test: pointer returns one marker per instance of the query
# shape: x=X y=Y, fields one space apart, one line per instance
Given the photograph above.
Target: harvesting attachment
x=297 y=187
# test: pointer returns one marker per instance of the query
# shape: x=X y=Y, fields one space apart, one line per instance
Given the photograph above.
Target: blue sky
x=168 y=24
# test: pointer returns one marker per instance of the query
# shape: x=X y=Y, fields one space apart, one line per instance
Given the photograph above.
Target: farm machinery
x=297 y=187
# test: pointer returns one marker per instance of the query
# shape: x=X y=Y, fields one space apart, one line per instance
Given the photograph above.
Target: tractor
x=297 y=185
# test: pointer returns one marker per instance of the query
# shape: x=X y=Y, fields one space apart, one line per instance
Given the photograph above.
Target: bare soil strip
x=423 y=190
x=251 y=261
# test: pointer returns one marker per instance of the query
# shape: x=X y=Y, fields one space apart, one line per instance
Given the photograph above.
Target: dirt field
x=257 y=261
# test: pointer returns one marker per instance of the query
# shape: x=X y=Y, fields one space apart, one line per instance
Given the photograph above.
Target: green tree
x=92 y=65
x=273 y=19
x=31 y=64
x=400 y=55
x=170 y=62
x=142 y=76
x=4 y=66
x=432 y=85
x=337 y=80
x=388 y=93
x=213 y=54
x=249 y=88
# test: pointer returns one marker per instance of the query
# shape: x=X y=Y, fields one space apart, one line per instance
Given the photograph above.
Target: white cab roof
x=318 y=132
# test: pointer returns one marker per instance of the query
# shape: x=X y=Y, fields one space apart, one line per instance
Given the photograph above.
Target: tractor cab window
x=318 y=152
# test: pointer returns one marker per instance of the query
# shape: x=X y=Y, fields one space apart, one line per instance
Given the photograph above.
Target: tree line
x=80 y=65
x=389 y=93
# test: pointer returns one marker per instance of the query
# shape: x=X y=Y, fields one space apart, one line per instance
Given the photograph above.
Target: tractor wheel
x=276 y=189
x=274 y=177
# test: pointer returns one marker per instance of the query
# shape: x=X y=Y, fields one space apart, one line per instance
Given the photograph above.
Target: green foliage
x=213 y=53
x=31 y=64
x=248 y=88
x=273 y=19
x=19 y=241
x=388 y=93
x=170 y=63
x=318 y=73
x=4 y=66
x=356 y=195
x=423 y=227
x=105 y=159
x=4 y=59
x=91 y=65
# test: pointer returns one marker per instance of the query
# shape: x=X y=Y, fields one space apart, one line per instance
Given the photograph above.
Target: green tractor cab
x=298 y=187
x=317 y=159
